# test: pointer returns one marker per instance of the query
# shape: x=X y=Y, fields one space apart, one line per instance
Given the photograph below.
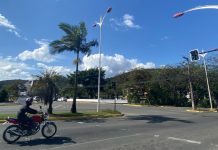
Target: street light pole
x=100 y=23
x=190 y=84
x=99 y=65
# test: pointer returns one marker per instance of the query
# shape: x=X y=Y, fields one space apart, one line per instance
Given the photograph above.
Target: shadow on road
x=52 y=141
x=156 y=118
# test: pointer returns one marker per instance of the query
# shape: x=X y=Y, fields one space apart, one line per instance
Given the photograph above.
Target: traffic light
x=194 y=55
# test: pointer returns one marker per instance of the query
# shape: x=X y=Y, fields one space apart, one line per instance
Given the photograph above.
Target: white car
x=62 y=99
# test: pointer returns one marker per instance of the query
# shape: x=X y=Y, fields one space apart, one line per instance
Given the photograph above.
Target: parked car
x=62 y=99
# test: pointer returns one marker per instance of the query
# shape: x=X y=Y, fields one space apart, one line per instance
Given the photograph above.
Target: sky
x=135 y=34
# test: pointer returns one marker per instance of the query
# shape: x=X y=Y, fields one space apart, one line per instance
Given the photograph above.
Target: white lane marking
x=184 y=140
x=80 y=122
x=124 y=129
x=214 y=145
x=58 y=106
x=156 y=135
x=5 y=123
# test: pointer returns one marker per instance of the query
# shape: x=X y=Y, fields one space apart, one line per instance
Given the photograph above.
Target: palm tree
x=74 y=40
x=44 y=86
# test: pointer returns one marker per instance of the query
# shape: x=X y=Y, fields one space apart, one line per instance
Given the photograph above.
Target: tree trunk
x=50 y=109
x=73 y=108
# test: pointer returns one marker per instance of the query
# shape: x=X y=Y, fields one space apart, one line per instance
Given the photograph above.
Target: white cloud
x=40 y=54
x=114 y=65
x=164 y=38
x=10 y=69
x=59 y=69
x=15 y=32
x=7 y=24
x=126 y=21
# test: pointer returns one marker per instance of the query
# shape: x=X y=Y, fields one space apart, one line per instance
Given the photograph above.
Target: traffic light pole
x=215 y=49
x=208 y=85
x=203 y=54
x=195 y=56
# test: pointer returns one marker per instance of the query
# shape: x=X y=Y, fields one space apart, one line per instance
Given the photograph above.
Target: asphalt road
x=142 y=128
x=57 y=107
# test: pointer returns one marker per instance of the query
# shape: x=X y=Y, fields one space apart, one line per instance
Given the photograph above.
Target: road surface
x=142 y=128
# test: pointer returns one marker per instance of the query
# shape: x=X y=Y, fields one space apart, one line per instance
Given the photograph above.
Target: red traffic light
x=179 y=14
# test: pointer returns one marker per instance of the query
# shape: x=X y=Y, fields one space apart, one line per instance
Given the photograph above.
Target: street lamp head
x=109 y=9
x=179 y=14
x=94 y=25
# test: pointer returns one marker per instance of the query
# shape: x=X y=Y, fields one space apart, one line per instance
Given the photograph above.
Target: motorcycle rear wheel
x=10 y=134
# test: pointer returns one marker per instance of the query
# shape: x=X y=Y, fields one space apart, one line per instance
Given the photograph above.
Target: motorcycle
x=16 y=130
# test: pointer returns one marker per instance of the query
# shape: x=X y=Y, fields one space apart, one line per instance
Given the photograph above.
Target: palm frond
x=83 y=30
x=67 y=28
x=86 y=47
x=57 y=47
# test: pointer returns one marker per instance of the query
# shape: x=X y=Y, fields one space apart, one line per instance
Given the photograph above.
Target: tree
x=74 y=40
x=3 y=95
x=88 y=79
x=46 y=88
x=13 y=90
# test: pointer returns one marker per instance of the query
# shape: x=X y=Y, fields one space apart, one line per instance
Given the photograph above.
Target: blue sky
x=137 y=33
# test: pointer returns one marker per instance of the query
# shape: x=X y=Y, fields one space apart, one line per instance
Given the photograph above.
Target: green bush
x=205 y=103
x=3 y=95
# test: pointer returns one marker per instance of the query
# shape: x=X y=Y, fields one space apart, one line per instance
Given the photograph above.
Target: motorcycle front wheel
x=11 y=134
x=49 y=130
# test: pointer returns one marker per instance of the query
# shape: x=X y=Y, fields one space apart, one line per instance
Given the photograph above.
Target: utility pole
x=190 y=84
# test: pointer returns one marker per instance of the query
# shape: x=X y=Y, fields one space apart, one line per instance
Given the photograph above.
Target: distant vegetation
x=162 y=86
x=9 y=89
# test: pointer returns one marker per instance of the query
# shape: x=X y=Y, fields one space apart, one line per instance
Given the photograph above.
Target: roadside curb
x=201 y=111
x=134 y=105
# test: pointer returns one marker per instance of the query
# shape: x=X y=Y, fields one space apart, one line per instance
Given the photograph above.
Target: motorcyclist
x=22 y=115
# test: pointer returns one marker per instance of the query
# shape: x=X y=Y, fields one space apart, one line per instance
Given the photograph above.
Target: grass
x=71 y=116
x=8 y=104
x=4 y=116
x=84 y=115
